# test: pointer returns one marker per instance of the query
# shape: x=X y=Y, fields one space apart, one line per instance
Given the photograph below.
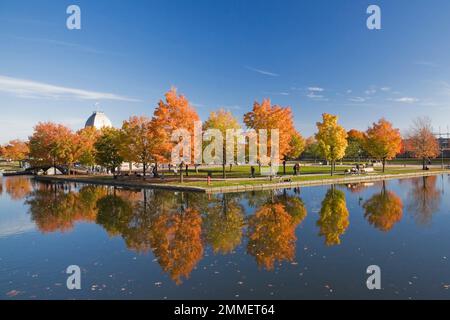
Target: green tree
x=108 y=149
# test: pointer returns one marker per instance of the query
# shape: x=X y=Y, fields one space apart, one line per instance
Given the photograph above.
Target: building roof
x=98 y=120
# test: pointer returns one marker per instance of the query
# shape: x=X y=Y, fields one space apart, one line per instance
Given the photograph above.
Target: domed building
x=98 y=120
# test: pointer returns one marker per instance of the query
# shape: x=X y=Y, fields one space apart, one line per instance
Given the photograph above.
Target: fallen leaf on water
x=12 y=293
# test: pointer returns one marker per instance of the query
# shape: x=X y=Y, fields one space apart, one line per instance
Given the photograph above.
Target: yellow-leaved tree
x=332 y=139
x=222 y=120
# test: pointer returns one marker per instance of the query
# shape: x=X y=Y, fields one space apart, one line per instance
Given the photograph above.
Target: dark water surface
x=313 y=242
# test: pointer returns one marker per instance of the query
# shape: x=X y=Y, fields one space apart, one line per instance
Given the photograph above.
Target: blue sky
x=315 y=56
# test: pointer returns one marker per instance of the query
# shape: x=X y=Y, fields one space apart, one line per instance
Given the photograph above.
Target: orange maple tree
x=267 y=116
x=143 y=141
x=174 y=113
x=383 y=141
x=16 y=150
x=51 y=144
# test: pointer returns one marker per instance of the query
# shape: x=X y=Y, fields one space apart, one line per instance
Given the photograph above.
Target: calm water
x=313 y=242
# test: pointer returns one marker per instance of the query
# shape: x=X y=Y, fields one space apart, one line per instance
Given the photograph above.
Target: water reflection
x=334 y=217
x=424 y=199
x=17 y=187
x=224 y=223
x=177 y=227
x=383 y=210
x=53 y=208
x=271 y=230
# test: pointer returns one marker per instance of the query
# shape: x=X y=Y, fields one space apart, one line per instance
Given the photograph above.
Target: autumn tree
x=174 y=113
x=143 y=141
x=108 y=149
x=356 y=143
x=51 y=144
x=222 y=120
x=383 y=141
x=15 y=150
x=421 y=140
x=334 y=217
x=271 y=117
x=332 y=139
x=383 y=210
x=84 y=151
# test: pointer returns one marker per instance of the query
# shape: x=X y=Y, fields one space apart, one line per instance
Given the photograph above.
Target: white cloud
x=406 y=100
x=357 y=99
x=385 y=89
x=313 y=95
x=38 y=90
x=370 y=91
x=264 y=72
x=316 y=89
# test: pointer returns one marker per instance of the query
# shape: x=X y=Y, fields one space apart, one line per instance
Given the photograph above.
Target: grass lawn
x=296 y=178
x=244 y=171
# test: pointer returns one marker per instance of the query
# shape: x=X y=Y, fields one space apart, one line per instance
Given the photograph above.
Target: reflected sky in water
x=312 y=242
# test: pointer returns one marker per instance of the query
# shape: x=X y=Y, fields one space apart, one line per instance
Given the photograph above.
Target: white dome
x=98 y=120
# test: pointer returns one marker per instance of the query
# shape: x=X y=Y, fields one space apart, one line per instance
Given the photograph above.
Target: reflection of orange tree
x=223 y=223
x=271 y=230
x=334 y=217
x=424 y=199
x=166 y=223
x=177 y=243
x=53 y=209
x=18 y=187
x=383 y=210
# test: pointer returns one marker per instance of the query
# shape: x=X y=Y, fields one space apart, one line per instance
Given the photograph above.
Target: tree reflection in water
x=424 y=199
x=333 y=217
x=271 y=230
x=18 y=187
x=161 y=222
x=175 y=227
x=53 y=208
x=383 y=210
x=223 y=223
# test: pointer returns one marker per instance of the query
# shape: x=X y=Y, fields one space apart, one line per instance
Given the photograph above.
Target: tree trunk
x=181 y=173
x=332 y=172
x=223 y=170
x=144 y=170
x=423 y=164
x=384 y=164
